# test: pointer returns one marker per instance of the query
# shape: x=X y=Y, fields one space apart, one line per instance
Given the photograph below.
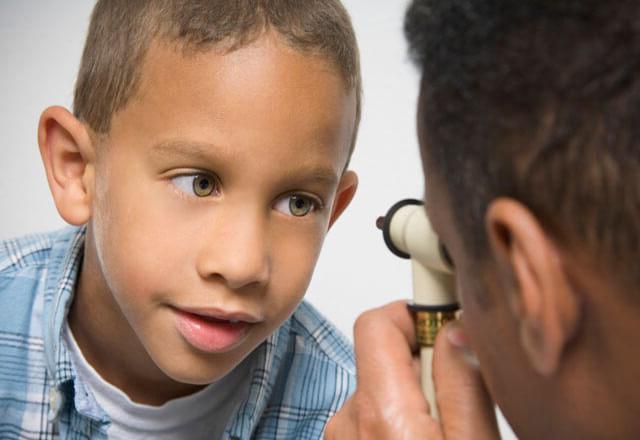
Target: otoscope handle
x=428 y=321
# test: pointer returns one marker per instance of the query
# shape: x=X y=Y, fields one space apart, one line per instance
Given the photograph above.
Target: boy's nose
x=236 y=250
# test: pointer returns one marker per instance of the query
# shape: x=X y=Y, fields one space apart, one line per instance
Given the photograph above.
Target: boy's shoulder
x=31 y=250
x=314 y=376
x=316 y=335
x=28 y=266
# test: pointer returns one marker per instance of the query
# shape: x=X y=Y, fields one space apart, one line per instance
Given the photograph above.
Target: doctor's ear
x=542 y=300
x=68 y=157
x=346 y=190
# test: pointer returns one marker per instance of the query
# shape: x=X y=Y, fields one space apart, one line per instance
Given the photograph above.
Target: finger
x=417 y=366
x=344 y=424
x=385 y=341
x=466 y=409
x=388 y=402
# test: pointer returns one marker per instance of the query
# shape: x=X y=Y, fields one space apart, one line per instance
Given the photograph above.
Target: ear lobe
x=67 y=155
x=346 y=190
x=543 y=302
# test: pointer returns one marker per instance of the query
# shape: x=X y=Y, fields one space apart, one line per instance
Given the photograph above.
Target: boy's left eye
x=199 y=184
x=297 y=205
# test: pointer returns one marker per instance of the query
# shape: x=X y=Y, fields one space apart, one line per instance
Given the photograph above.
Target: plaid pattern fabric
x=300 y=375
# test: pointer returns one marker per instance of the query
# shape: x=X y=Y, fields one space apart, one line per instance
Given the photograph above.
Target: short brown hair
x=122 y=30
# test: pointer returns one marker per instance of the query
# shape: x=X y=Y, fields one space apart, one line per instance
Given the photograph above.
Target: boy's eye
x=200 y=184
x=297 y=205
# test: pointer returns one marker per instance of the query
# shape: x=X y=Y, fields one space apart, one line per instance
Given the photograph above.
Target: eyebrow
x=202 y=152
x=322 y=176
x=186 y=150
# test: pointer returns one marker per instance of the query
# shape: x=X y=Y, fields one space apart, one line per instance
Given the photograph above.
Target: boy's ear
x=68 y=157
x=543 y=302
x=346 y=190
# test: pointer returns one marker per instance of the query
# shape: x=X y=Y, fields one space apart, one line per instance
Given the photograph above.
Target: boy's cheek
x=297 y=261
x=292 y=267
x=134 y=258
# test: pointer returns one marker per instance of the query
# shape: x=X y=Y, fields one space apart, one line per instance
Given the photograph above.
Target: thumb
x=466 y=410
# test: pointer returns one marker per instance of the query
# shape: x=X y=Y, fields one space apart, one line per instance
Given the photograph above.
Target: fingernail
x=456 y=336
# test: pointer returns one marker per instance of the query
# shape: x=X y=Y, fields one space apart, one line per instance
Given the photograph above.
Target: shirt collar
x=61 y=278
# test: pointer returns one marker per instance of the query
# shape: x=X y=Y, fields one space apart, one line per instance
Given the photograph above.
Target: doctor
x=529 y=131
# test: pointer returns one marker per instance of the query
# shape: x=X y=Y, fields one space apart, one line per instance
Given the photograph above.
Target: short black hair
x=538 y=100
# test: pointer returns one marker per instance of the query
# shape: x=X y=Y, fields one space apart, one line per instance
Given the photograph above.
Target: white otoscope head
x=408 y=234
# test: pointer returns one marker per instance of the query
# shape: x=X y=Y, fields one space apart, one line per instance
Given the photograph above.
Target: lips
x=213 y=331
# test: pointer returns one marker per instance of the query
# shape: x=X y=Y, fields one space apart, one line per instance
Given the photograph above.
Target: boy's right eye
x=198 y=184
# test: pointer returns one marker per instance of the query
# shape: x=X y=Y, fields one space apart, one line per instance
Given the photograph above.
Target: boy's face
x=213 y=194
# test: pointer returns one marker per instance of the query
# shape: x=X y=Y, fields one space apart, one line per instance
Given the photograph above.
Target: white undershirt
x=202 y=415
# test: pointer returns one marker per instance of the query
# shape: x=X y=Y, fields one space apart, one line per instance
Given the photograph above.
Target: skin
x=261 y=123
x=537 y=337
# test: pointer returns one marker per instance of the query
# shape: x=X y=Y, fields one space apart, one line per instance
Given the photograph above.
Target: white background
x=40 y=46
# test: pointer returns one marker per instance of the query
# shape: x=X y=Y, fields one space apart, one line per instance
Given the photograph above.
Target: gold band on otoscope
x=429 y=320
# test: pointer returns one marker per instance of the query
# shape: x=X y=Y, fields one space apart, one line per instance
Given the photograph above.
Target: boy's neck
x=110 y=345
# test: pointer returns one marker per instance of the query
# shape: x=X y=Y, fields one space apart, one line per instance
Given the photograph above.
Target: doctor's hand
x=388 y=402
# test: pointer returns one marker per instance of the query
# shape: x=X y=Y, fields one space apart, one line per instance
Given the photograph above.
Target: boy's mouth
x=213 y=332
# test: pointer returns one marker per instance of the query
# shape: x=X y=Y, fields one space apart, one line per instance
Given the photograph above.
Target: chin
x=198 y=370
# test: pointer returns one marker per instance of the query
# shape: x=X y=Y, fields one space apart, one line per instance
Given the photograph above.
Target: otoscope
x=408 y=234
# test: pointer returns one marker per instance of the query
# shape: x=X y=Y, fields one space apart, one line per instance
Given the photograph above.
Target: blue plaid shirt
x=300 y=375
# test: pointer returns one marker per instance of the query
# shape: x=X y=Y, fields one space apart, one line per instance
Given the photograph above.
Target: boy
x=528 y=127
x=204 y=162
